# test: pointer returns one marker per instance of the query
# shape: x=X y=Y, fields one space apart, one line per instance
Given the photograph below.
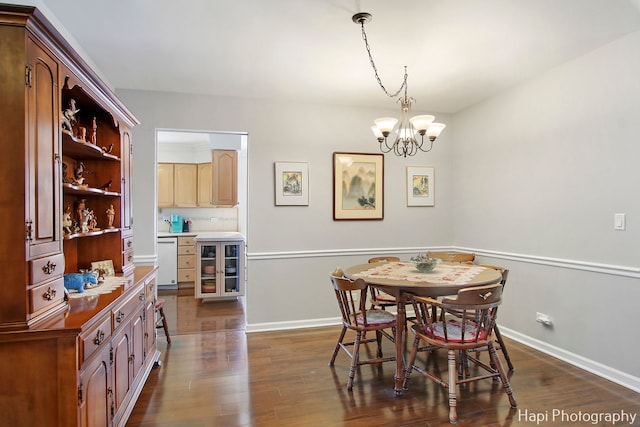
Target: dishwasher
x=167 y=263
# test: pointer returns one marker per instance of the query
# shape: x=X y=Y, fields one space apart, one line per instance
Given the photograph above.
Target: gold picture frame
x=105 y=268
x=358 y=186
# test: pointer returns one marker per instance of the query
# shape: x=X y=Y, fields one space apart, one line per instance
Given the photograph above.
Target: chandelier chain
x=375 y=69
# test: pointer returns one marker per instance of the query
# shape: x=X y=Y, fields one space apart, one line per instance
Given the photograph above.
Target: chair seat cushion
x=376 y=317
x=454 y=332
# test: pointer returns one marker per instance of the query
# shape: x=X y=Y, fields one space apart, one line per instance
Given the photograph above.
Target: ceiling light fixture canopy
x=406 y=142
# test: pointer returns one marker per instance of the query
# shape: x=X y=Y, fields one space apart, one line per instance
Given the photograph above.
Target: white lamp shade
x=377 y=132
x=406 y=133
x=421 y=122
x=385 y=124
x=435 y=129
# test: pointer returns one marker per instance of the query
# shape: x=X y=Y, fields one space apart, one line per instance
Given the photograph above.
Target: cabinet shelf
x=80 y=190
x=80 y=149
x=91 y=233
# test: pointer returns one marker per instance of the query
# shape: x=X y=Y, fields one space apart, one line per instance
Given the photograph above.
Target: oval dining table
x=417 y=284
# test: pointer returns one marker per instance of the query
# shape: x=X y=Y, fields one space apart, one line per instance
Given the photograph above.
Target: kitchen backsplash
x=202 y=219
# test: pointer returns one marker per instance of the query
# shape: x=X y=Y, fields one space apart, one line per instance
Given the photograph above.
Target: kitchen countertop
x=206 y=235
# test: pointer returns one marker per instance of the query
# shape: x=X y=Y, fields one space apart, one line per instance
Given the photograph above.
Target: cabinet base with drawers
x=85 y=366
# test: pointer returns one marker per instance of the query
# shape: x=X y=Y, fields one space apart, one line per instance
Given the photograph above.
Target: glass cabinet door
x=208 y=269
x=231 y=270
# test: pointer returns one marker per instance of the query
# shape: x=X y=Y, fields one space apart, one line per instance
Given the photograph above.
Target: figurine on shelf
x=111 y=214
x=84 y=220
x=66 y=221
x=78 y=172
x=107 y=149
x=79 y=207
x=92 y=221
x=94 y=132
x=69 y=116
x=106 y=186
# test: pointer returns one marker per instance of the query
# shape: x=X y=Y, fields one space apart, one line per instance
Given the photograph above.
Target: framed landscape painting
x=358 y=186
x=292 y=183
x=420 y=184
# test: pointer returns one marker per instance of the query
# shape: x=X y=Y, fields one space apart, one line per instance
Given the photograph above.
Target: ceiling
x=457 y=52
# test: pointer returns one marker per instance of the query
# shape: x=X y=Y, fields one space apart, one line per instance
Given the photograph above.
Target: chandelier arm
x=385 y=145
x=422 y=142
x=375 y=69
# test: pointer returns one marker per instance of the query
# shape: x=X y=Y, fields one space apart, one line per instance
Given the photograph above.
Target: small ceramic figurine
x=94 y=132
x=78 y=172
x=69 y=115
x=66 y=221
x=111 y=213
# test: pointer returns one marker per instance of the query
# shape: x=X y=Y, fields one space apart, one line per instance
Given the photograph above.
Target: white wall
x=538 y=174
x=279 y=131
x=529 y=179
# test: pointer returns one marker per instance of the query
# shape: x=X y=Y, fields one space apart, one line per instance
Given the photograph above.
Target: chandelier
x=406 y=138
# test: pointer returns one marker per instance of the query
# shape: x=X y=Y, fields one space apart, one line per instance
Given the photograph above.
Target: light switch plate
x=619 y=221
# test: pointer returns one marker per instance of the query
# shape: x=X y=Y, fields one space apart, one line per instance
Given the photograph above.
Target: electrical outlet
x=544 y=319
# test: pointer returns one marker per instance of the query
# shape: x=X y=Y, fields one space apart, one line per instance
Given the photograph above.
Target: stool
x=162 y=321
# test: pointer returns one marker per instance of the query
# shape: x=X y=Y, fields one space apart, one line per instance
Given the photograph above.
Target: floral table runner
x=456 y=274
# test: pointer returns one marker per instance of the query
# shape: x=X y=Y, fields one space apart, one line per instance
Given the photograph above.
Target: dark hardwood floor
x=213 y=374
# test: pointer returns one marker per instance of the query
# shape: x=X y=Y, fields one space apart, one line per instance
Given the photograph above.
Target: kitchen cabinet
x=225 y=177
x=186 y=262
x=185 y=185
x=165 y=185
x=205 y=188
x=220 y=269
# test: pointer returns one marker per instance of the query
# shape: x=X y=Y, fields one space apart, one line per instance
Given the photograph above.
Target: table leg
x=401 y=320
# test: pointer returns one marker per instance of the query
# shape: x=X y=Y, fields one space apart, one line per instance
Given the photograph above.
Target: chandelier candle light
x=405 y=143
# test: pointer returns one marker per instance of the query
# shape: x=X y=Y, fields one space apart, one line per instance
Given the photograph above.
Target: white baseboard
x=576 y=360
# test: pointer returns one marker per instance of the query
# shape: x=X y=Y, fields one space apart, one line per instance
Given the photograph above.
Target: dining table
x=401 y=278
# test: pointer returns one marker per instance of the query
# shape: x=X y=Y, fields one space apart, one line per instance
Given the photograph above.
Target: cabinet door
x=126 y=153
x=44 y=228
x=225 y=177
x=137 y=343
x=150 y=328
x=95 y=404
x=185 y=185
x=122 y=368
x=232 y=268
x=205 y=194
x=165 y=185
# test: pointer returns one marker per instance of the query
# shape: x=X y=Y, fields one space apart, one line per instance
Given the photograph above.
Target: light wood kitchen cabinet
x=165 y=185
x=205 y=187
x=185 y=185
x=186 y=262
x=225 y=177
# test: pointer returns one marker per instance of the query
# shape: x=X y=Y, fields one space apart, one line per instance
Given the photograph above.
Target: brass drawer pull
x=141 y=296
x=120 y=317
x=49 y=295
x=99 y=339
x=49 y=267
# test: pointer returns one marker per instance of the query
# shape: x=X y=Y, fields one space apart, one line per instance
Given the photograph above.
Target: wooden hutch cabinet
x=65 y=190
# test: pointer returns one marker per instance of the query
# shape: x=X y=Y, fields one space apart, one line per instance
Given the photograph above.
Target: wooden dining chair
x=352 y=301
x=496 y=330
x=464 y=257
x=470 y=328
x=378 y=298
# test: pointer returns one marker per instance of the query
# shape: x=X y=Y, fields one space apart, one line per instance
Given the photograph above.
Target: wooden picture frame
x=291 y=183
x=420 y=186
x=358 y=186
